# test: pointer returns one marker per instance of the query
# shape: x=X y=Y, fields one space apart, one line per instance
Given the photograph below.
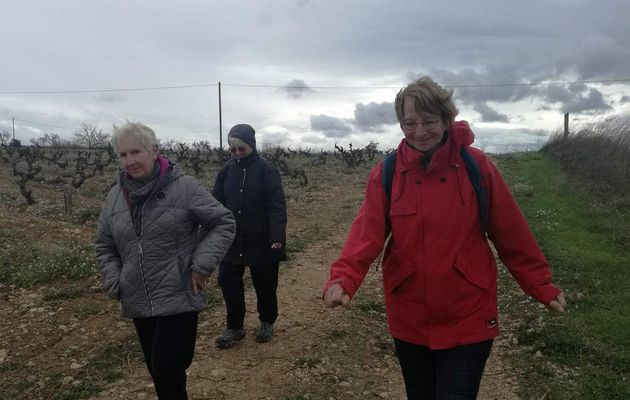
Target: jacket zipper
x=242 y=210
x=142 y=267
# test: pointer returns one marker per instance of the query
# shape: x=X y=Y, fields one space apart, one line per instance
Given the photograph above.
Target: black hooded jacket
x=251 y=188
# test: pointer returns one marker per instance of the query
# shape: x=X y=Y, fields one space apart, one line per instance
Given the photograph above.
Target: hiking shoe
x=229 y=337
x=264 y=332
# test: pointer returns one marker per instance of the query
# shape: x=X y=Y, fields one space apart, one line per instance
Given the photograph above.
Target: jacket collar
x=248 y=160
x=458 y=134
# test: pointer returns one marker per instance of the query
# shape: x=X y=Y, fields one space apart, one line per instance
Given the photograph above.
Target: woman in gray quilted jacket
x=159 y=237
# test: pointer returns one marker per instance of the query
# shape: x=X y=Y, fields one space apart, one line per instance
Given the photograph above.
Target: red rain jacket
x=439 y=272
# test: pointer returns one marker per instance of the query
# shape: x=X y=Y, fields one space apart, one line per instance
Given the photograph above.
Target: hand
x=335 y=296
x=276 y=245
x=198 y=281
x=558 y=304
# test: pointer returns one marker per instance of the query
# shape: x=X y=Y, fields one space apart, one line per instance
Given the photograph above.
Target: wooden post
x=220 y=121
x=566 y=125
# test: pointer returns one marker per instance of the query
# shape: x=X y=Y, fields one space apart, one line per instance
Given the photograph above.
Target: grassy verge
x=27 y=264
x=584 y=353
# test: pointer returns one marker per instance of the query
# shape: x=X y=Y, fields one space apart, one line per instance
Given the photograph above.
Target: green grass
x=87 y=310
x=108 y=364
x=83 y=390
x=86 y=215
x=11 y=388
x=295 y=245
x=580 y=235
x=27 y=264
x=307 y=362
x=307 y=396
x=370 y=306
x=7 y=233
x=337 y=334
x=62 y=294
x=215 y=298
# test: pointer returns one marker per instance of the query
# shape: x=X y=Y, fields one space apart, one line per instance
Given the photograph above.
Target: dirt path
x=316 y=353
x=61 y=341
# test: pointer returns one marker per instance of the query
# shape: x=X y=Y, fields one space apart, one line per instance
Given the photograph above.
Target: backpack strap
x=474 y=175
x=387 y=177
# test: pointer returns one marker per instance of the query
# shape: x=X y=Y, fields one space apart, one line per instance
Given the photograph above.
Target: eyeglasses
x=238 y=149
x=427 y=125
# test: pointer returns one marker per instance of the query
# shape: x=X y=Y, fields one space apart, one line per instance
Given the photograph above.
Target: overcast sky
x=310 y=73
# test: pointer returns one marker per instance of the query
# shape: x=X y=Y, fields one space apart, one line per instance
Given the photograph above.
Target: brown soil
x=63 y=340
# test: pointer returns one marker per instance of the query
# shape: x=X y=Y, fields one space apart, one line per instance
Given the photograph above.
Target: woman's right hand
x=335 y=296
x=558 y=304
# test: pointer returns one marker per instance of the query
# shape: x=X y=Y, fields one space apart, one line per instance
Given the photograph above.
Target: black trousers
x=168 y=344
x=452 y=374
x=265 y=279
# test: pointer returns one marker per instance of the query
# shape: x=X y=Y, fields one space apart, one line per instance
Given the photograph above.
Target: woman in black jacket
x=252 y=189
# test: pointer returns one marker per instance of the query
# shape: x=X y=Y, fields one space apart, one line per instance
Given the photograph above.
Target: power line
x=539 y=83
x=138 y=89
x=446 y=86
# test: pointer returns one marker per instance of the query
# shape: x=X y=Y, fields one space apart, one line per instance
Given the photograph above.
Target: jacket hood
x=459 y=133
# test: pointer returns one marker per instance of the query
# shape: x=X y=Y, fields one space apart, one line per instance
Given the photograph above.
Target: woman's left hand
x=276 y=245
x=198 y=281
x=558 y=304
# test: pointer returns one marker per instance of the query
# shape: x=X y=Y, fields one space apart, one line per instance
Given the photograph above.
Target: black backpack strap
x=389 y=163
x=387 y=177
x=474 y=175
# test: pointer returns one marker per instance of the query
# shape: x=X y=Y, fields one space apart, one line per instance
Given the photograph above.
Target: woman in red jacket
x=439 y=273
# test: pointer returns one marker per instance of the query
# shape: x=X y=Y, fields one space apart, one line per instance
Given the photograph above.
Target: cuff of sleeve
x=113 y=293
x=204 y=270
x=345 y=284
x=545 y=293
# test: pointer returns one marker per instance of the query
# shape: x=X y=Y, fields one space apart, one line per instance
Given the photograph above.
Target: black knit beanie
x=244 y=132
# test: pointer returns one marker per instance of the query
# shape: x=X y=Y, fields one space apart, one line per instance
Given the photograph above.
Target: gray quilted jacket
x=183 y=228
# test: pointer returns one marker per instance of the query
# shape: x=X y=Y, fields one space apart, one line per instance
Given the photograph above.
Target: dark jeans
x=452 y=374
x=265 y=279
x=168 y=344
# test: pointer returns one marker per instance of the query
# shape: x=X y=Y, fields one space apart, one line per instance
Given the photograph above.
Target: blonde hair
x=139 y=131
x=429 y=97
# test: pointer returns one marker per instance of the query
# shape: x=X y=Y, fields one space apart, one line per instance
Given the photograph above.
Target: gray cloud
x=297 y=88
x=373 y=116
x=624 y=100
x=488 y=114
x=476 y=88
x=109 y=98
x=344 y=46
x=331 y=126
x=576 y=98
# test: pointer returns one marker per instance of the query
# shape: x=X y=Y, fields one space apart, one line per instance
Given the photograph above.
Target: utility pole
x=566 y=125
x=220 y=120
x=13 y=119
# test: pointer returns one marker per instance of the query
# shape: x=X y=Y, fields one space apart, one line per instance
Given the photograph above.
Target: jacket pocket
x=479 y=273
x=396 y=274
x=184 y=273
x=402 y=208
